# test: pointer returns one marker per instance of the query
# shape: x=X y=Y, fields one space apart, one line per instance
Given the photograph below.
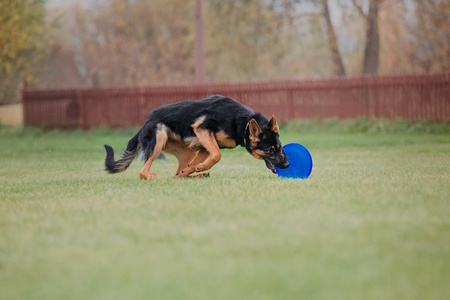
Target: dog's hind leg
x=184 y=158
x=161 y=140
x=182 y=152
x=183 y=165
x=190 y=168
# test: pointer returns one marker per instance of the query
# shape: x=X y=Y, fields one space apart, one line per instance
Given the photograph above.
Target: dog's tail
x=115 y=166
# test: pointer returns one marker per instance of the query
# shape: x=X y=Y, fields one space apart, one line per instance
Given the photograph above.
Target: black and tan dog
x=195 y=130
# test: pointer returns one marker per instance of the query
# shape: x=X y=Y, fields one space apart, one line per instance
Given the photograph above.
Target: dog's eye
x=270 y=151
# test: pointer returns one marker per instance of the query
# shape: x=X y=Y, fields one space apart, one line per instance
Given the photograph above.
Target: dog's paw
x=199 y=168
x=151 y=176
x=201 y=175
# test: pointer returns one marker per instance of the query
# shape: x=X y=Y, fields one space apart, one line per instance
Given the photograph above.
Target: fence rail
x=410 y=97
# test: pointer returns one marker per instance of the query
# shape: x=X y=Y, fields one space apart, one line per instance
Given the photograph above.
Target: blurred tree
x=245 y=40
x=139 y=42
x=430 y=35
x=320 y=9
x=332 y=41
x=199 y=43
x=136 y=42
x=372 y=42
x=22 y=43
x=395 y=46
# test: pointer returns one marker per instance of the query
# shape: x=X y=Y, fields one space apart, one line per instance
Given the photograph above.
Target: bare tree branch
x=339 y=68
x=360 y=10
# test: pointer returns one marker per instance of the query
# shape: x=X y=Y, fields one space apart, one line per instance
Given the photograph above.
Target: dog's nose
x=285 y=165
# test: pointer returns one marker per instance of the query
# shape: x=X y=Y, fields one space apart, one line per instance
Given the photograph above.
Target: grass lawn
x=371 y=222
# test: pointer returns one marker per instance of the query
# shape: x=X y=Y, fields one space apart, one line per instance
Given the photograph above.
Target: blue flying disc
x=300 y=162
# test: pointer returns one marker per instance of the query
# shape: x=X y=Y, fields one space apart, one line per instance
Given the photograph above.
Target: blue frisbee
x=300 y=162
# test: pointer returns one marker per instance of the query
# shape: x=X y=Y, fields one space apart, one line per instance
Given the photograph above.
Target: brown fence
x=411 y=97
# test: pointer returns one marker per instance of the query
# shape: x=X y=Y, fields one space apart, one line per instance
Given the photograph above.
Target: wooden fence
x=411 y=97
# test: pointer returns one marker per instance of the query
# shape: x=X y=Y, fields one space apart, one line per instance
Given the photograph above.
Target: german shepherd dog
x=195 y=131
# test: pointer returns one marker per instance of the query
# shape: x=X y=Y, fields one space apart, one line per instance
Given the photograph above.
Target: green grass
x=371 y=222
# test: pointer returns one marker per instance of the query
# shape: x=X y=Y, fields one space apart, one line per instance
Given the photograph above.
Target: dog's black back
x=220 y=114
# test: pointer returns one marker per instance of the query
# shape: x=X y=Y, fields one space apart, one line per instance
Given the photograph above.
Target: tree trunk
x=332 y=41
x=372 y=48
x=199 y=51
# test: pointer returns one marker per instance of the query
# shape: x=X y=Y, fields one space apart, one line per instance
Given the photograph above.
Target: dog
x=194 y=131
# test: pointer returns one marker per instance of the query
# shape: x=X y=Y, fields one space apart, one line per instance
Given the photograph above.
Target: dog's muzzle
x=282 y=164
x=282 y=161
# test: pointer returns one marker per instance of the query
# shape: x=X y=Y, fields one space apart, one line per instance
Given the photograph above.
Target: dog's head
x=264 y=143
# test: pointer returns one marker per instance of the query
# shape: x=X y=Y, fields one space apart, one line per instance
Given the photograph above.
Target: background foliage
x=22 y=42
x=123 y=42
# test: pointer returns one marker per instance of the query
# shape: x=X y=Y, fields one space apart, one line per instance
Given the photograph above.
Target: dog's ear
x=254 y=131
x=273 y=125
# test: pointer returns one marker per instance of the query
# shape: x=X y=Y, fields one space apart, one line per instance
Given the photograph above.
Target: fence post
x=82 y=107
x=24 y=106
x=290 y=104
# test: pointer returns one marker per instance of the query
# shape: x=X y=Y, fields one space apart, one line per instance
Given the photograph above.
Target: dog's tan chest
x=224 y=140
